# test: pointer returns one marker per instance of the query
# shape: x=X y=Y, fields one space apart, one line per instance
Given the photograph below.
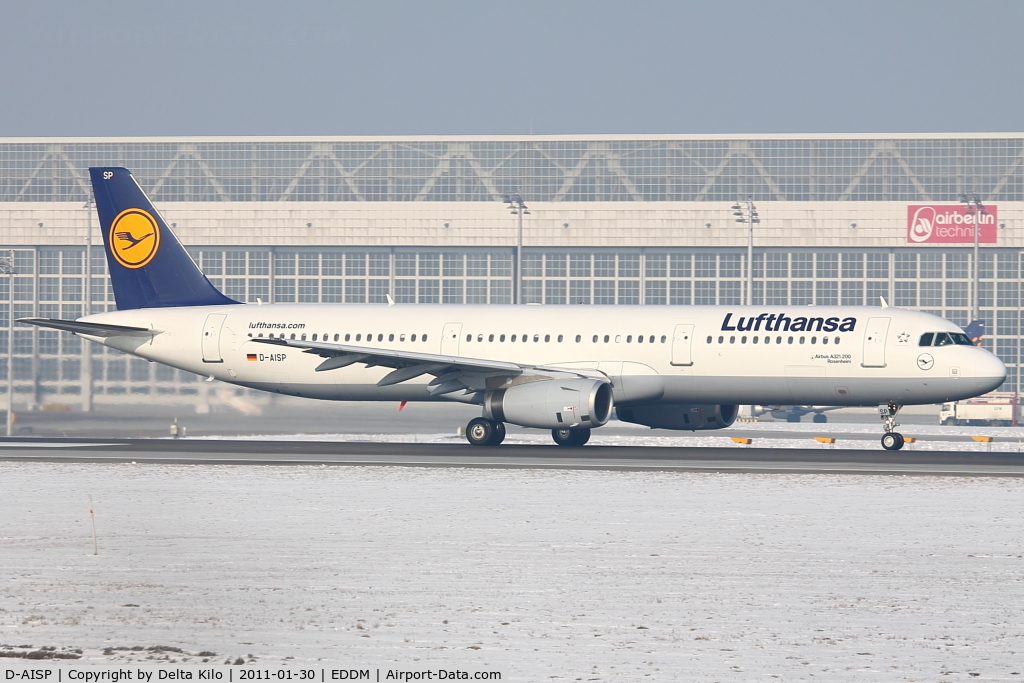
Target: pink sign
x=949 y=224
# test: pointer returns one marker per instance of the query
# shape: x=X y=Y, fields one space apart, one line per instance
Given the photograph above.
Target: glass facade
x=50 y=282
x=602 y=168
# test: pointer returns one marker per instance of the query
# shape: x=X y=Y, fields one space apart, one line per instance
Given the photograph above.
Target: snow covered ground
x=765 y=435
x=538 y=574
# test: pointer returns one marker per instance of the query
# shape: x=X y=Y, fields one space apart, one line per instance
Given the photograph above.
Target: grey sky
x=409 y=68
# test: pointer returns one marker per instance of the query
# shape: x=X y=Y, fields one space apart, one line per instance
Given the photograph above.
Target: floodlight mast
x=972 y=203
x=7 y=268
x=517 y=207
x=746 y=212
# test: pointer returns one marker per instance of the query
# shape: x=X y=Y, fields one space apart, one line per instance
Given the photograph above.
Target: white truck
x=995 y=409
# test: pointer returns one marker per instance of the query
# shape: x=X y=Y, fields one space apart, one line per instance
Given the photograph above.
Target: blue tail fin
x=976 y=331
x=148 y=266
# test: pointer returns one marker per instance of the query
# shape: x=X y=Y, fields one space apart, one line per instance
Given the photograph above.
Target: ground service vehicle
x=995 y=409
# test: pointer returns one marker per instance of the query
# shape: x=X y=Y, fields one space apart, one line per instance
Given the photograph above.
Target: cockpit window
x=945 y=339
x=961 y=339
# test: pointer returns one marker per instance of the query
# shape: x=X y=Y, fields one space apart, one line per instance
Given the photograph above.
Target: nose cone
x=989 y=371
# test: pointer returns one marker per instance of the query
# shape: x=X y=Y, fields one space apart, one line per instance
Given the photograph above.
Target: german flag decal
x=250 y=356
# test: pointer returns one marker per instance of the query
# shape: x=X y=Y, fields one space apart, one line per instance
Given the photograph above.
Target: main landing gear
x=571 y=436
x=483 y=432
x=891 y=441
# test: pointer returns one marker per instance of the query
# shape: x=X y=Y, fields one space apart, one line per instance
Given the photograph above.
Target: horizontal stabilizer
x=91 y=329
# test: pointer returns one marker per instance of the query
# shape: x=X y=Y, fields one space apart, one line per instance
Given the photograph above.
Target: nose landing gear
x=891 y=440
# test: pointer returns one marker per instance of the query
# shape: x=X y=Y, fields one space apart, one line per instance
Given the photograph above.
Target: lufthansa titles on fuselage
x=780 y=322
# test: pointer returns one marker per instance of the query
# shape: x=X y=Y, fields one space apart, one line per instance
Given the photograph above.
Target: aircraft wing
x=91 y=329
x=451 y=373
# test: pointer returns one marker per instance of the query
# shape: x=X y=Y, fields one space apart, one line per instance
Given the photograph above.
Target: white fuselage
x=688 y=354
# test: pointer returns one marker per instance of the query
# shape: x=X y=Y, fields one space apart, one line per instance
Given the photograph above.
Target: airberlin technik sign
x=949 y=224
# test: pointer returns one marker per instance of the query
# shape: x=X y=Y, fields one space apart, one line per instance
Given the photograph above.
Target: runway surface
x=459 y=454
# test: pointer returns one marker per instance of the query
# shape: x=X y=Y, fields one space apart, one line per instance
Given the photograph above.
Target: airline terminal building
x=633 y=220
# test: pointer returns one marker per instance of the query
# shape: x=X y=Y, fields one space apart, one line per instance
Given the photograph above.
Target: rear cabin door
x=211 y=337
x=874 y=342
x=450 y=339
x=682 y=342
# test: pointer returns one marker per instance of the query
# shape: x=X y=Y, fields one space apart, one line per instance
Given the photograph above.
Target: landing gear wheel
x=480 y=431
x=499 y=434
x=820 y=418
x=893 y=441
x=571 y=436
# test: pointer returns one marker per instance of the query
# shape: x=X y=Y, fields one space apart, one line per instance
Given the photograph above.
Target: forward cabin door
x=874 y=342
x=211 y=337
x=450 y=339
x=682 y=342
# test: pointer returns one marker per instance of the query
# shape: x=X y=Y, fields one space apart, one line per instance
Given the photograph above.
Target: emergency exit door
x=682 y=342
x=450 y=339
x=211 y=337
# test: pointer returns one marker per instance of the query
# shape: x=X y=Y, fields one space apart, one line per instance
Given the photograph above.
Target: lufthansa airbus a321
x=562 y=368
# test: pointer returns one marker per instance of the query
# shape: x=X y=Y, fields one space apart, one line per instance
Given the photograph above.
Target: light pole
x=7 y=268
x=975 y=208
x=517 y=207
x=89 y=205
x=86 y=373
x=746 y=212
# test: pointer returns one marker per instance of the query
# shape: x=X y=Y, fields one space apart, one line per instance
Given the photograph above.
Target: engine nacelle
x=552 y=403
x=679 y=416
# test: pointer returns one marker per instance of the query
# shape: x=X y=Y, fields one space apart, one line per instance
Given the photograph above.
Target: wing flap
x=392 y=358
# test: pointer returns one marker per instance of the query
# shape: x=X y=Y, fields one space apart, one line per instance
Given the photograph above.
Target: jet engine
x=552 y=403
x=679 y=416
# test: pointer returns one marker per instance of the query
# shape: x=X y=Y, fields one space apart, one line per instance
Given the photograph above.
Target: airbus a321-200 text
x=563 y=368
